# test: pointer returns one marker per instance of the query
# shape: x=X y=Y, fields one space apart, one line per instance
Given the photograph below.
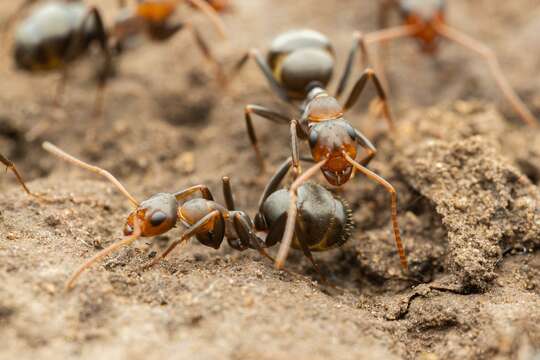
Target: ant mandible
x=299 y=66
x=424 y=20
x=203 y=218
x=307 y=217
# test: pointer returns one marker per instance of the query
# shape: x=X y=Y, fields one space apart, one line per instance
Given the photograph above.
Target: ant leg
x=359 y=86
x=263 y=67
x=205 y=192
x=309 y=255
x=394 y=205
x=173 y=28
x=104 y=73
x=291 y=214
x=272 y=185
x=294 y=148
x=94 y=15
x=117 y=245
x=385 y=7
x=364 y=142
x=199 y=227
x=244 y=228
x=11 y=166
x=266 y=114
x=228 y=193
x=65 y=156
x=358 y=42
x=212 y=14
x=489 y=56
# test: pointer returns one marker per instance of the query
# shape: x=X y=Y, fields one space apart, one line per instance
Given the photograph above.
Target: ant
x=153 y=18
x=307 y=217
x=299 y=66
x=424 y=20
x=203 y=218
x=11 y=166
x=60 y=32
x=55 y=35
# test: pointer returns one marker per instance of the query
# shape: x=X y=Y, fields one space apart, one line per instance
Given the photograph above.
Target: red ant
x=203 y=218
x=424 y=20
x=299 y=66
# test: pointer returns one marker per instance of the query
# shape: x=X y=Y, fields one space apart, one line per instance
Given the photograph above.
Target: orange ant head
x=329 y=136
x=155 y=11
x=424 y=14
x=155 y=216
x=328 y=140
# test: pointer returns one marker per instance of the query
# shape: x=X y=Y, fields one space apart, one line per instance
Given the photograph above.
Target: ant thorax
x=321 y=107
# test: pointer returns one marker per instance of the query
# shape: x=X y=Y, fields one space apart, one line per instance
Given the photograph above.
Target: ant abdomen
x=299 y=57
x=322 y=222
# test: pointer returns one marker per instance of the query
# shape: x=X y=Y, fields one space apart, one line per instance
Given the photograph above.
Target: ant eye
x=313 y=137
x=157 y=218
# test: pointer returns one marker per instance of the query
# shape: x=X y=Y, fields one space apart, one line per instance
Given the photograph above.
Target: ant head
x=156 y=215
x=155 y=11
x=424 y=14
x=329 y=136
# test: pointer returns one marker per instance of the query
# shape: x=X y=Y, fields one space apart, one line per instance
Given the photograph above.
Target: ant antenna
x=65 y=156
x=124 y=242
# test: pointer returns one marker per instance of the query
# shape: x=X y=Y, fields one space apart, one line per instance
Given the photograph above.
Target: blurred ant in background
x=60 y=32
x=424 y=20
x=55 y=35
x=298 y=67
x=154 y=18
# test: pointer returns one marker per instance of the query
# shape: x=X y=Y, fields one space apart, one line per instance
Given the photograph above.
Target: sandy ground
x=466 y=170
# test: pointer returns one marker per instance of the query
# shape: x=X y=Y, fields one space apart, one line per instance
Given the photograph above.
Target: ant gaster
x=424 y=20
x=307 y=217
x=203 y=218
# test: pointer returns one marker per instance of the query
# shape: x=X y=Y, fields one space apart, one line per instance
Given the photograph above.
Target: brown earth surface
x=466 y=170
